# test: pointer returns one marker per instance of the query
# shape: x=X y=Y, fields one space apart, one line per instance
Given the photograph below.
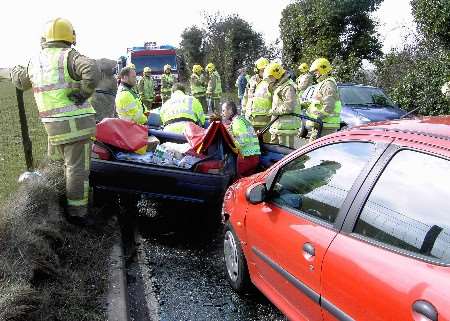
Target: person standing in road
x=285 y=105
x=214 y=89
x=167 y=81
x=326 y=104
x=241 y=84
x=181 y=109
x=198 y=86
x=260 y=65
x=128 y=104
x=62 y=81
x=146 y=88
x=259 y=99
x=245 y=139
x=304 y=80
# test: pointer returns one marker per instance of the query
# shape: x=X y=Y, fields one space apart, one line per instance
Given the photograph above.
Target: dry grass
x=49 y=270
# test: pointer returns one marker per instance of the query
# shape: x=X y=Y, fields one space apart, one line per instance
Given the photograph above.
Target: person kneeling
x=181 y=109
x=244 y=137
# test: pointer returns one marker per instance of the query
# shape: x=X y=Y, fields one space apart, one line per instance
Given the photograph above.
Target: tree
x=414 y=75
x=433 y=19
x=191 y=46
x=231 y=43
x=339 y=30
x=273 y=50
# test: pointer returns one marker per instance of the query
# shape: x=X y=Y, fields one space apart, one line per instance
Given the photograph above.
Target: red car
x=355 y=226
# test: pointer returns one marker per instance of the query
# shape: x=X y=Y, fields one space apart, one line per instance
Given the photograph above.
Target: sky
x=107 y=28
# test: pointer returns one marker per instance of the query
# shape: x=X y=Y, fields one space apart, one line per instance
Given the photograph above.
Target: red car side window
x=317 y=183
x=409 y=206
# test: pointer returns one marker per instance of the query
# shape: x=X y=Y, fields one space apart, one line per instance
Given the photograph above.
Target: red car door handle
x=308 y=248
x=425 y=309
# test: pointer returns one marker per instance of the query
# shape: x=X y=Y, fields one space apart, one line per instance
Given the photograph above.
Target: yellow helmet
x=60 y=30
x=275 y=70
x=196 y=69
x=147 y=69
x=261 y=63
x=210 y=67
x=130 y=65
x=303 y=68
x=167 y=67
x=322 y=65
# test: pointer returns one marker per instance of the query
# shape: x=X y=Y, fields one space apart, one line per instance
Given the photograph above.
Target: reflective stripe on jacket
x=146 y=88
x=318 y=107
x=183 y=107
x=249 y=91
x=167 y=81
x=245 y=137
x=198 y=88
x=52 y=85
x=258 y=112
x=129 y=106
x=285 y=101
x=214 y=85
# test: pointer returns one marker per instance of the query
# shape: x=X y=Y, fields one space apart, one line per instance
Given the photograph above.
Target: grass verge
x=49 y=269
x=12 y=161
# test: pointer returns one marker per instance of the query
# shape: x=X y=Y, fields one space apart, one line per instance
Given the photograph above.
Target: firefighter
x=214 y=89
x=245 y=139
x=167 y=81
x=260 y=65
x=181 y=109
x=284 y=104
x=128 y=104
x=146 y=88
x=259 y=102
x=326 y=104
x=304 y=80
x=62 y=81
x=198 y=86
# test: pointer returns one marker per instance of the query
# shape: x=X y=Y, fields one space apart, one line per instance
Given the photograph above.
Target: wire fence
x=12 y=157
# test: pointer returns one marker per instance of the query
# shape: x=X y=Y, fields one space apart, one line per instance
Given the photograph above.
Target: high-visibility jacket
x=198 y=88
x=245 y=137
x=325 y=106
x=167 y=81
x=129 y=106
x=214 y=85
x=259 y=106
x=285 y=101
x=303 y=82
x=178 y=110
x=52 y=85
x=146 y=88
x=64 y=121
x=249 y=91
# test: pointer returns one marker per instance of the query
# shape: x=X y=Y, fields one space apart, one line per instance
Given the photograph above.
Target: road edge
x=150 y=293
x=117 y=295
